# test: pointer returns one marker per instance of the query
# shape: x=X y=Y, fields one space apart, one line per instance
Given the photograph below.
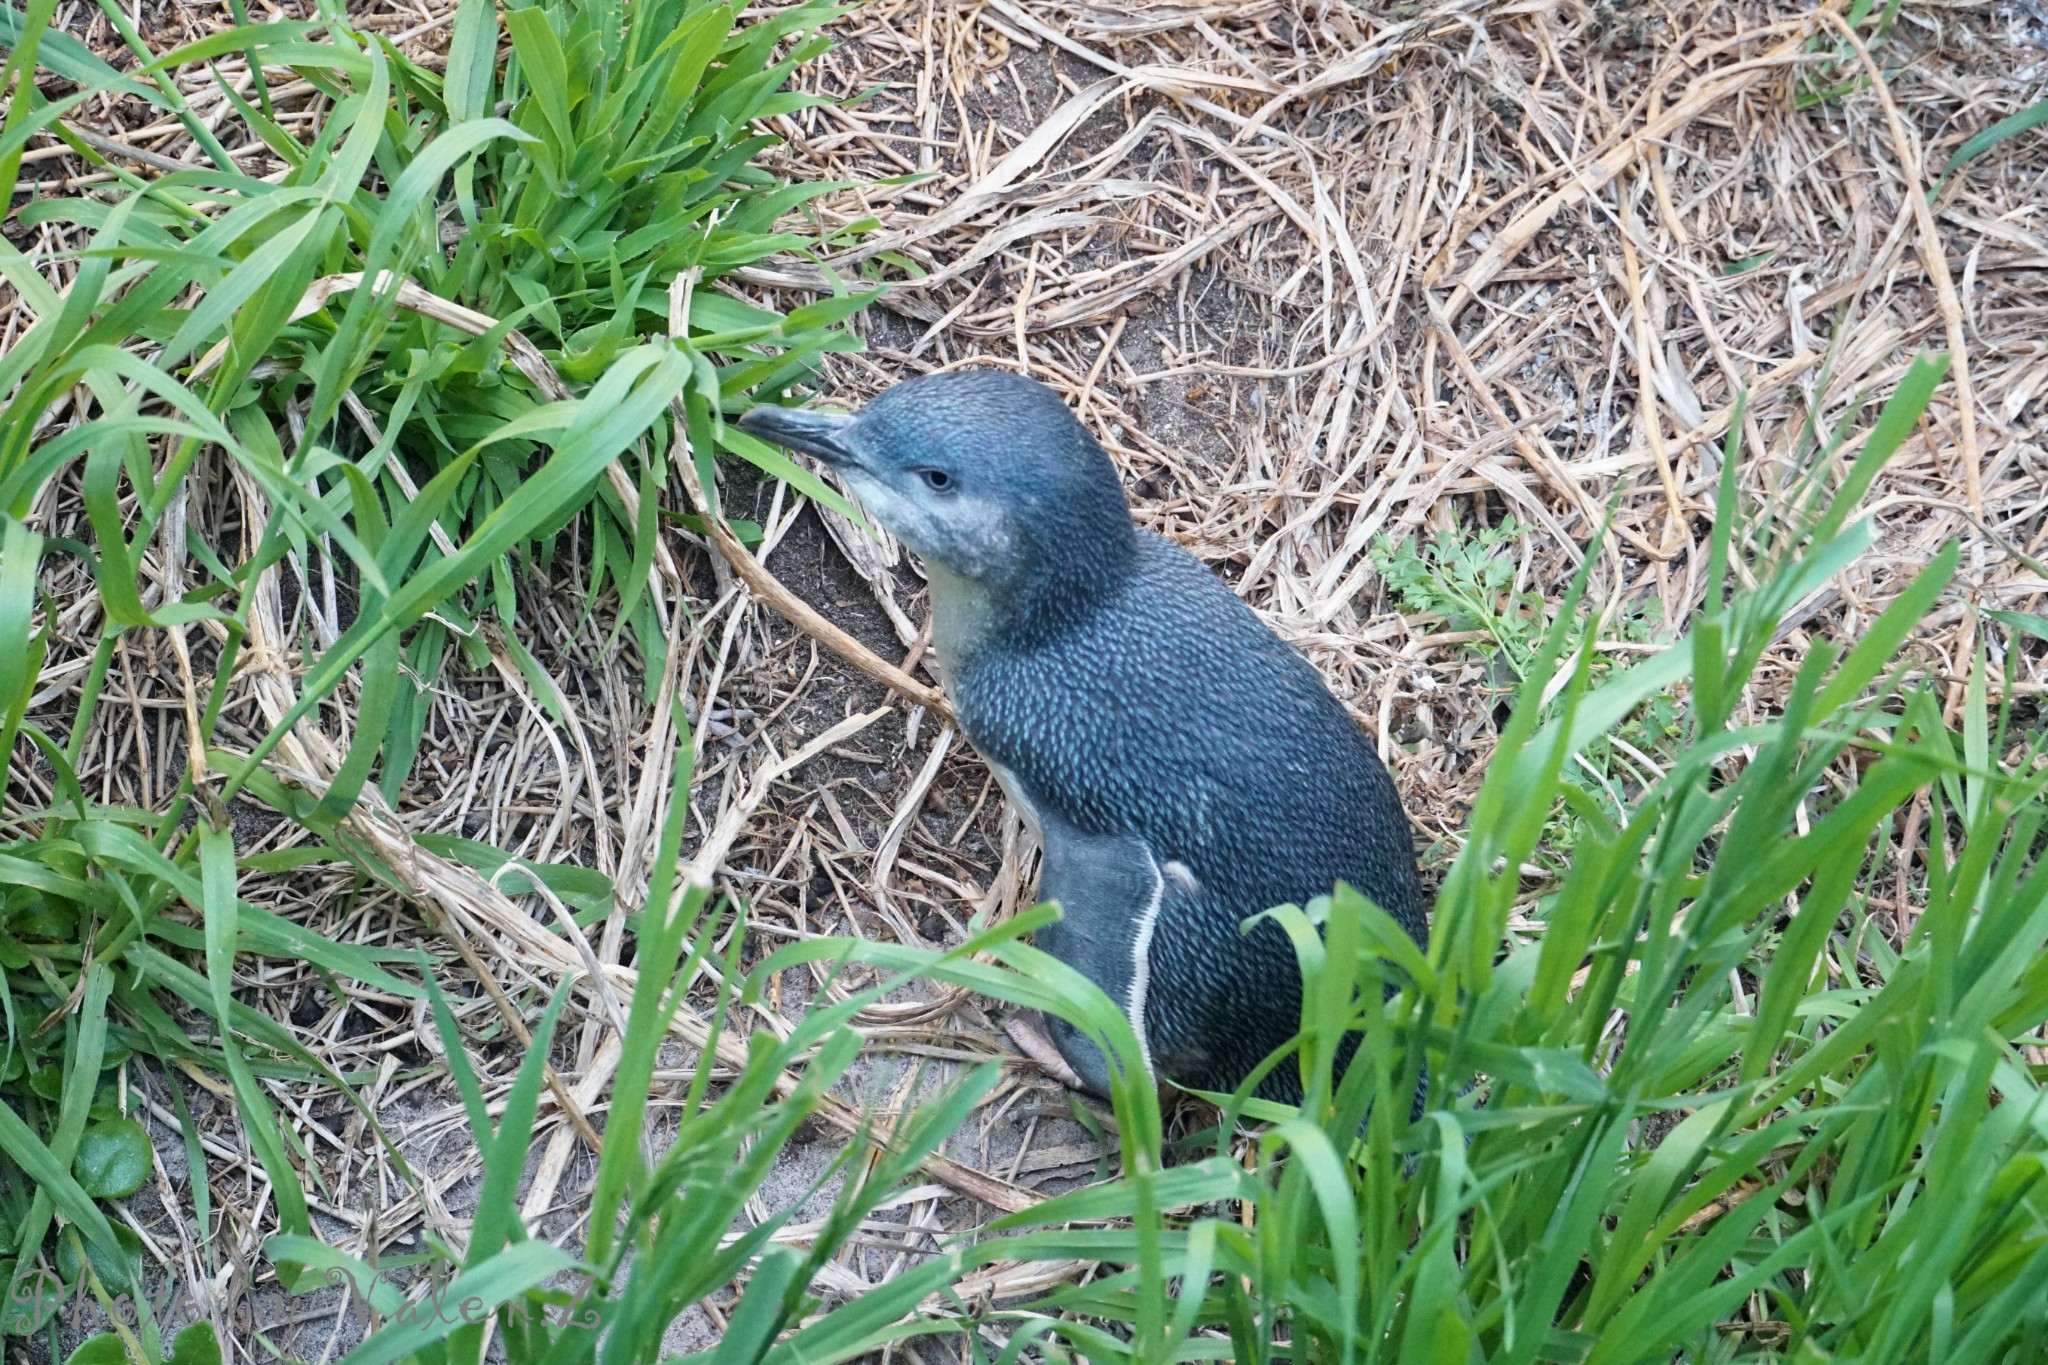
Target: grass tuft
x=414 y=355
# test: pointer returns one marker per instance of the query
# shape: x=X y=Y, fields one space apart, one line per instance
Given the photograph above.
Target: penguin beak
x=822 y=434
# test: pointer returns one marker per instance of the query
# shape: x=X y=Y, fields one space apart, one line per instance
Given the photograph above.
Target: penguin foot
x=1027 y=1030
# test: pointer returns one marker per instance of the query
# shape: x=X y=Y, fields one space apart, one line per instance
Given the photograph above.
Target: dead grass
x=1315 y=276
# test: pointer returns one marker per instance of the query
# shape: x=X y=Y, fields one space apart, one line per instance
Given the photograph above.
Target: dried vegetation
x=1317 y=275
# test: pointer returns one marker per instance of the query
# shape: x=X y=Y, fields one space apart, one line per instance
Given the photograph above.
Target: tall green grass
x=564 y=189
x=667 y=1227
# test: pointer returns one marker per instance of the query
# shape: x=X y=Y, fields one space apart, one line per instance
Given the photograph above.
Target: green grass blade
x=2011 y=126
x=220 y=908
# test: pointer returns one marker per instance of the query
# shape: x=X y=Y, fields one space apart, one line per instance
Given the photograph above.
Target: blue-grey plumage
x=1184 y=767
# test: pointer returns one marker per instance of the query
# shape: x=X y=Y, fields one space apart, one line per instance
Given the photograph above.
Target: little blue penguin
x=1183 y=767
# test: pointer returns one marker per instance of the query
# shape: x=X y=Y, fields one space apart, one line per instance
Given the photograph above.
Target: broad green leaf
x=113 y=1159
x=53 y=1177
x=196 y=1345
x=107 y=1348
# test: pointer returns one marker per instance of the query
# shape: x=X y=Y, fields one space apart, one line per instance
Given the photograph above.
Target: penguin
x=1183 y=767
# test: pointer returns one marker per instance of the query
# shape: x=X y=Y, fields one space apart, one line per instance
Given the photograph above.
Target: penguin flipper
x=1110 y=888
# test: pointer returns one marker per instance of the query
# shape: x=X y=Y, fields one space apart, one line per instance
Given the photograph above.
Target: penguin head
x=983 y=473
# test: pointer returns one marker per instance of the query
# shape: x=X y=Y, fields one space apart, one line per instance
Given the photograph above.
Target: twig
x=1937 y=265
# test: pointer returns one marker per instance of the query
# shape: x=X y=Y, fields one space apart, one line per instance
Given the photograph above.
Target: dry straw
x=1317 y=276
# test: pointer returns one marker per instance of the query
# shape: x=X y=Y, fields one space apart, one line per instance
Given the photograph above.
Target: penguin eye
x=936 y=479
